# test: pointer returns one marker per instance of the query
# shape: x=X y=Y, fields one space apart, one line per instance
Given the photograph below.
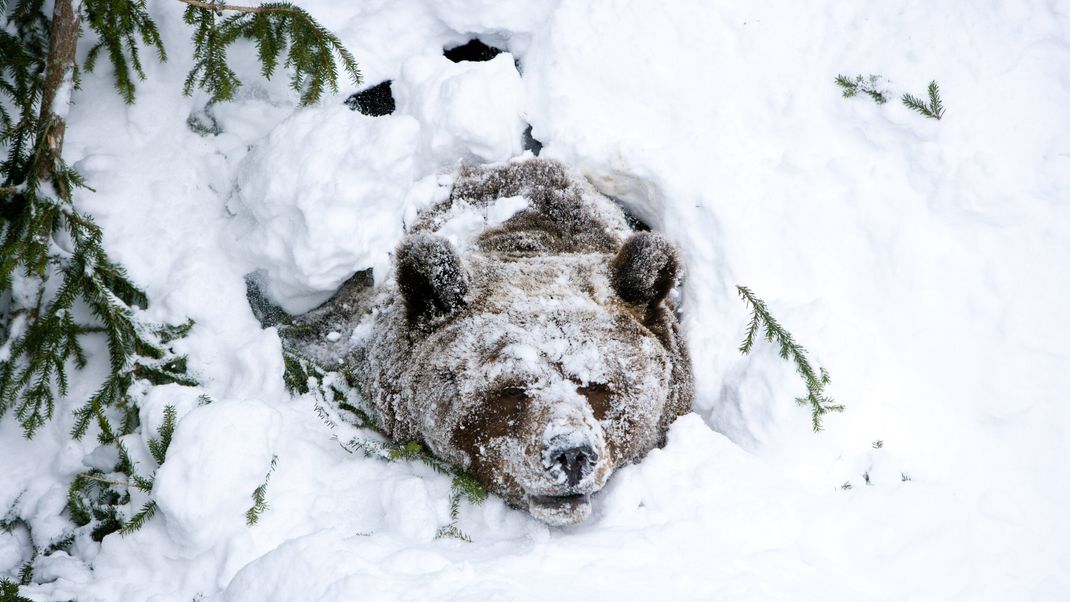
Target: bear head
x=541 y=373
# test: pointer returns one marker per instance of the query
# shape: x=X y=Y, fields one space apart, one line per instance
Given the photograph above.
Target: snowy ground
x=925 y=263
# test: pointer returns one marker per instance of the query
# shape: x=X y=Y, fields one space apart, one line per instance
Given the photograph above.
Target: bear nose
x=575 y=462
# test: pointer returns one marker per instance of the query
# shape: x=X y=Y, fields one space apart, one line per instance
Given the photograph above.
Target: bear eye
x=512 y=392
x=502 y=413
x=600 y=397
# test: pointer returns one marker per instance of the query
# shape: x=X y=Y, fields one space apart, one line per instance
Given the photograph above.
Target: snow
x=924 y=263
x=468 y=111
x=302 y=217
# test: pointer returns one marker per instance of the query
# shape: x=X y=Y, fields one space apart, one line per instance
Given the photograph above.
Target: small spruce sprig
x=119 y=25
x=332 y=390
x=866 y=85
x=9 y=592
x=94 y=498
x=463 y=485
x=310 y=48
x=252 y=515
x=934 y=109
x=816 y=381
x=60 y=543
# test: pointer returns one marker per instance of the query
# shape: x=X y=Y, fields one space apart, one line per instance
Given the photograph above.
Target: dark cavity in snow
x=375 y=101
x=474 y=50
x=203 y=122
x=266 y=312
x=634 y=222
x=530 y=143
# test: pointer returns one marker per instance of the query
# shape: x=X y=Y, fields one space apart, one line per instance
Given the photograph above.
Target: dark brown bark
x=63 y=44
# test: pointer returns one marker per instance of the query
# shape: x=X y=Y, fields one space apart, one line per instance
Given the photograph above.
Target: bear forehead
x=536 y=284
x=575 y=329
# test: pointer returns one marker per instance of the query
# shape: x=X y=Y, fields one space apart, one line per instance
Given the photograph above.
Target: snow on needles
x=924 y=263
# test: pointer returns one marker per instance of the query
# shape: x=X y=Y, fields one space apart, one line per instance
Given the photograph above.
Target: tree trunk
x=59 y=74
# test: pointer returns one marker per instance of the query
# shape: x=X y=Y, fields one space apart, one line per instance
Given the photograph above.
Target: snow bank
x=923 y=262
x=211 y=468
x=468 y=111
x=321 y=197
x=324 y=194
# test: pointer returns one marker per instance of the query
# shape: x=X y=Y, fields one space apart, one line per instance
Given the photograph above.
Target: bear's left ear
x=430 y=276
x=645 y=269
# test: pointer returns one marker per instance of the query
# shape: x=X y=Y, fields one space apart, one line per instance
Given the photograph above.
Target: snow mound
x=321 y=197
x=220 y=454
x=468 y=111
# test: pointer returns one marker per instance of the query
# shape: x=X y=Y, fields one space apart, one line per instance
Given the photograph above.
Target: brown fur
x=541 y=353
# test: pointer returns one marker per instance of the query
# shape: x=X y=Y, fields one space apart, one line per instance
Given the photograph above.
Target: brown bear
x=528 y=335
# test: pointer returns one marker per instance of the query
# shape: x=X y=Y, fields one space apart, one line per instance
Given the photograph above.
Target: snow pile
x=469 y=111
x=322 y=196
x=923 y=262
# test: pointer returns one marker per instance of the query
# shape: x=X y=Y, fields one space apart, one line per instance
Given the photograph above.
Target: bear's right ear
x=430 y=276
x=645 y=269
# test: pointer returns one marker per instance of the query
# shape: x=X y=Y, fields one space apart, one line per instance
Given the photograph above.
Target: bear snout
x=574 y=463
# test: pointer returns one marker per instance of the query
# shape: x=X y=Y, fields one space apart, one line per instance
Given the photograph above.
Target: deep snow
x=925 y=264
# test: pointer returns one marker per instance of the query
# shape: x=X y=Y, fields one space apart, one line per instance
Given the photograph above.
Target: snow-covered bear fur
x=528 y=334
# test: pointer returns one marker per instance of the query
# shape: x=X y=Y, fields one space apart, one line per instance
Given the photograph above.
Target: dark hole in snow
x=530 y=143
x=266 y=312
x=474 y=50
x=634 y=222
x=376 y=101
x=203 y=122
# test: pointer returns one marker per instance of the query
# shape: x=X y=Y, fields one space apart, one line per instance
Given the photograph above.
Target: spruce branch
x=870 y=86
x=158 y=445
x=463 y=486
x=44 y=337
x=121 y=24
x=138 y=520
x=88 y=476
x=815 y=381
x=934 y=109
x=95 y=499
x=9 y=592
x=312 y=51
x=252 y=515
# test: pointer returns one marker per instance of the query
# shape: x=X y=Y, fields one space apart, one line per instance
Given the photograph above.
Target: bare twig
x=92 y=477
x=242 y=9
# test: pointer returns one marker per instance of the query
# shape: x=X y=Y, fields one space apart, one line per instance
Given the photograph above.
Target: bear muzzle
x=573 y=470
x=570 y=463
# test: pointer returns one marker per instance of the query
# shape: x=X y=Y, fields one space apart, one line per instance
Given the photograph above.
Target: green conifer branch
x=94 y=499
x=9 y=592
x=869 y=86
x=158 y=445
x=934 y=109
x=815 y=381
x=312 y=51
x=120 y=24
x=252 y=515
x=44 y=337
x=138 y=520
x=463 y=486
